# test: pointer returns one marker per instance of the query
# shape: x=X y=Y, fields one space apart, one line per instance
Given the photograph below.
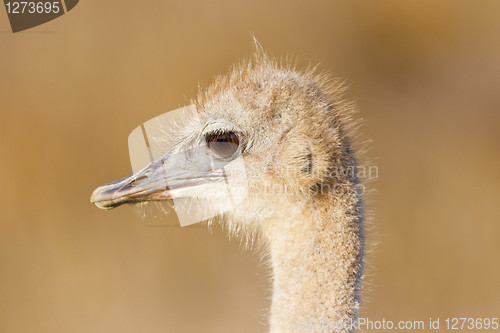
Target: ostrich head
x=288 y=126
x=291 y=130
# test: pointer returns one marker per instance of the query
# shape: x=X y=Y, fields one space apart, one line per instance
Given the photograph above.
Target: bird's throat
x=317 y=268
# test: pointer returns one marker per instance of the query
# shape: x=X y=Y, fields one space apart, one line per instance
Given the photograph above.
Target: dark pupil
x=223 y=144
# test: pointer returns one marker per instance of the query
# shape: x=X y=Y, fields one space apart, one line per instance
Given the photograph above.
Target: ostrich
x=294 y=130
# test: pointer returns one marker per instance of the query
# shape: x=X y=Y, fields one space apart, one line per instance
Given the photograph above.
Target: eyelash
x=215 y=135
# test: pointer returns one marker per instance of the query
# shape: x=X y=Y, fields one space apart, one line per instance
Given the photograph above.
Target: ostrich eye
x=223 y=144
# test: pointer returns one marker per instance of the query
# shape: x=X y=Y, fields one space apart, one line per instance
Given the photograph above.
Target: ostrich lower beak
x=160 y=180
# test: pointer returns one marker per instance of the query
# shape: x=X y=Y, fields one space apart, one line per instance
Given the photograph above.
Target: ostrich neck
x=317 y=266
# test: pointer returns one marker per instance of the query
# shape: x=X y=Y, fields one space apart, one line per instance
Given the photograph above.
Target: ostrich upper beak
x=170 y=177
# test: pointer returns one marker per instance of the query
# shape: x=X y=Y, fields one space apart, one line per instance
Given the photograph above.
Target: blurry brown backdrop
x=426 y=77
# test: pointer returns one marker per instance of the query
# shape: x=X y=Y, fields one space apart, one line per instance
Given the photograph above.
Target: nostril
x=138 y=179
x=134 y=182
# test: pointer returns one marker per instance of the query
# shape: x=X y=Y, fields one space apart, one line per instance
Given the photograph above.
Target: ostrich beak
x=173 y=176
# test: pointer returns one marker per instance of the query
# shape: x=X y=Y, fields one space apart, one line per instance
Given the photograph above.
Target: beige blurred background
x=426 y=77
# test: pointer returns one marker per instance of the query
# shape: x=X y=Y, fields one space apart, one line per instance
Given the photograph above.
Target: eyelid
x=218 y=126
